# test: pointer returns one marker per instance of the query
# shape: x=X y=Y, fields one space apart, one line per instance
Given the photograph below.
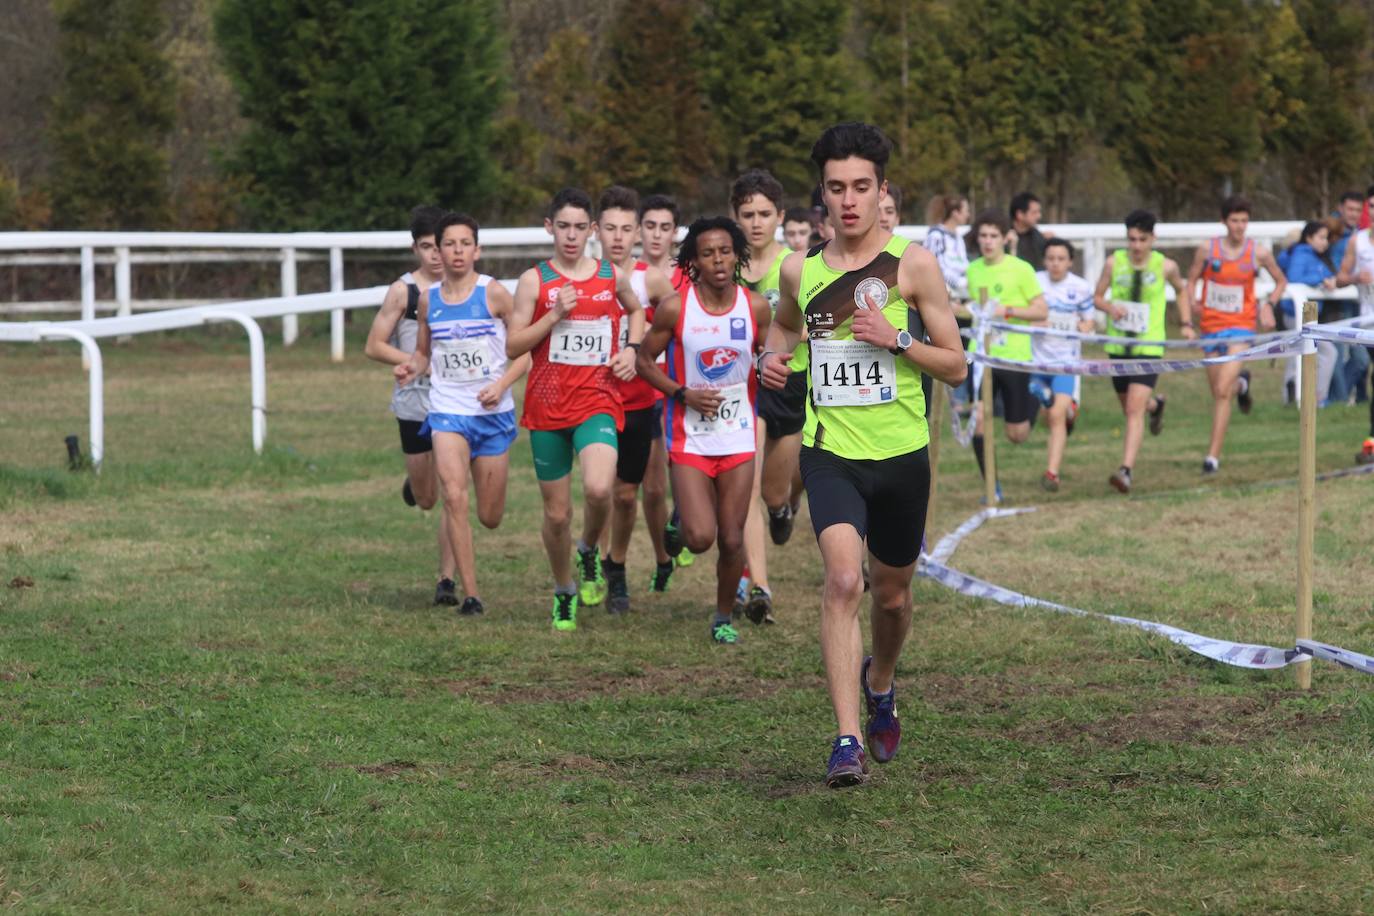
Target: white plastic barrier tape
x=1340 y=334
x=1241 y=655
x=1039 y=331
x=1290 y=345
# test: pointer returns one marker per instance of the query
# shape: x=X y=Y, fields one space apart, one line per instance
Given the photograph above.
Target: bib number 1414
x=850 y=373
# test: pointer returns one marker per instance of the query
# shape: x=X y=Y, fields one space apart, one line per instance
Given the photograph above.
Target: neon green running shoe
x=564 y=611
x=723 y=634
x=591 y=589
x=685 y=559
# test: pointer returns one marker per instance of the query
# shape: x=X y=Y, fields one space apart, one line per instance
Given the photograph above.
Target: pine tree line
x=350 y=111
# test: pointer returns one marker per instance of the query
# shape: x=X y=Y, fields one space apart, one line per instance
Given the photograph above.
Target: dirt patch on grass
x=697 y=683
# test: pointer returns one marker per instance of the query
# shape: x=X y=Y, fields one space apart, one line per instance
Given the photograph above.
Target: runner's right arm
x=378 y=344
x=703 y=400
x=1101 y=301
x=523 y=336
x=415 y=364
x=785 y=332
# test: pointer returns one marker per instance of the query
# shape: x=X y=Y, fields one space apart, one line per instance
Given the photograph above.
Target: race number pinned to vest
x=1228 y=299
x=462 y=360
x=1064 y=321
x=1137 y=317
x=851 y=373
x=581 y=342
x=732 y=414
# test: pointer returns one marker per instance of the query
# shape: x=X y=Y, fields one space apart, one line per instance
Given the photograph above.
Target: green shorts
x=554 y=448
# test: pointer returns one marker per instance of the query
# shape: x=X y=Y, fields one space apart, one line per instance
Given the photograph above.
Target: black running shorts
x=412 y=443
x=1014 y=388
x=1122 y=383
x=784 y=412
x=885 y=499
x=642 y=427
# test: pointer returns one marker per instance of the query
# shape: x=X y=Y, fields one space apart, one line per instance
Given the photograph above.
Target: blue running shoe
x=848 y=765
x=883 y=731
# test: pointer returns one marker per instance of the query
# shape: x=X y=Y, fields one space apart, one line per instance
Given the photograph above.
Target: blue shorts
x=1222 y=335
x=1054 y=384
x=487 y=434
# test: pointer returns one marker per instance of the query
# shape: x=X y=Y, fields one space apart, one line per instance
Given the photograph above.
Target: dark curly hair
x=687 y=253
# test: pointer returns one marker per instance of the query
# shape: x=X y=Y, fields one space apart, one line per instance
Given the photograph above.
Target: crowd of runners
x=713 y=386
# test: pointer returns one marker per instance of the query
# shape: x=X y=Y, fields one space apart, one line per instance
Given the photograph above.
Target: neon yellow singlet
x=768 y=287
x=1151 y=293
x=862 y=401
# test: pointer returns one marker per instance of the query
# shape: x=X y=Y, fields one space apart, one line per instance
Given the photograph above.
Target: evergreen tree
x=656 y=135
x=111 y=116
x=1325 y=143
x=774 y=79
x=360 y=110
x=917 y=91
x=1186 y=130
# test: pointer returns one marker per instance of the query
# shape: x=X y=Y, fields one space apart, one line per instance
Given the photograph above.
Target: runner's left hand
x=871 y=326
x=623 y=365
x=490 y=396
x=1266 y=316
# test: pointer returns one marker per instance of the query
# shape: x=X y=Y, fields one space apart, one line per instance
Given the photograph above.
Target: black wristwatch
x=903 y=342
x=680 y=395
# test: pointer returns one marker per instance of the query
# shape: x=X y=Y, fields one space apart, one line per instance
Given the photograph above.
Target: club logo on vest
x=738 y=331
x=715 y=363
x=870 y=288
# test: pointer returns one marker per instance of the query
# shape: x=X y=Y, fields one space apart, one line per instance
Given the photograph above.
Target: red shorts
x=711 y=465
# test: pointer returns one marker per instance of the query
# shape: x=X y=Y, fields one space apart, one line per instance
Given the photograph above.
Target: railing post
x=87 y=295
x=257 y=371
x=97 y=386
x=1094 y=257
x=123 y=287
x=290 y=328
x=336 y=317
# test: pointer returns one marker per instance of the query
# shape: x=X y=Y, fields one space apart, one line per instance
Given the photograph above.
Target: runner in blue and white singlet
x=461 y=343
x=468 y=354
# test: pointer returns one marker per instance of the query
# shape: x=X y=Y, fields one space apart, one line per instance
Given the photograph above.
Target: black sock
x=978 y=453
x=610 y=565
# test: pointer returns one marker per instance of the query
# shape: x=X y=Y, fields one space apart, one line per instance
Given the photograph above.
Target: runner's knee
x=845 y=585
x=732 y=541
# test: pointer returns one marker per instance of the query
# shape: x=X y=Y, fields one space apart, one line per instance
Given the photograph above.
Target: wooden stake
x=1307 y=485
x=989 y=456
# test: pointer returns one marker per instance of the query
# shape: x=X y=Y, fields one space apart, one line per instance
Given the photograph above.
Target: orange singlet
x=1228 y=289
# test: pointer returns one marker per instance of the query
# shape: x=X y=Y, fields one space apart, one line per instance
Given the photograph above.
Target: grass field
x=225 y=687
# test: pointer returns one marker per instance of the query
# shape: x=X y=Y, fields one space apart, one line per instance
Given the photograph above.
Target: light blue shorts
x=487 y=434
x=1222 y=335
x=1054 y=384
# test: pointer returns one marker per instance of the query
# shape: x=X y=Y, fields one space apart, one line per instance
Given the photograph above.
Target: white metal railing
x=33 y=249
x=244 y=314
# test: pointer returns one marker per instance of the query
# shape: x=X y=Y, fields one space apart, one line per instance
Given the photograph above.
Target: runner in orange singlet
x=1228 y=265
x=568 y=318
